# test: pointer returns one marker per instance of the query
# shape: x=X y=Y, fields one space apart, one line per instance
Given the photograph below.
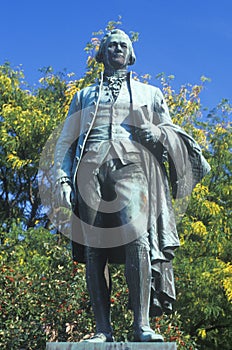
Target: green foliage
x=44 y=297
x=27 y=119
x=203 y=263
x=113 y=24
x=41 y=289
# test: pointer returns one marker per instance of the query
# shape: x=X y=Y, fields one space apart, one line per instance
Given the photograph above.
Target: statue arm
x=64 y=156
x=66 y=144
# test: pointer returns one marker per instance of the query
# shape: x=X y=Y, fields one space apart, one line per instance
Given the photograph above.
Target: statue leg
x=138 y=276
x=99 y=292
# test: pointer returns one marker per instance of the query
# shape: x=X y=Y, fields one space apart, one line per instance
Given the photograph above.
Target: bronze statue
x=110 y=168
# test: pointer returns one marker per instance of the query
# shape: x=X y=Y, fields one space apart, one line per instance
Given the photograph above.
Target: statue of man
x=110 y=163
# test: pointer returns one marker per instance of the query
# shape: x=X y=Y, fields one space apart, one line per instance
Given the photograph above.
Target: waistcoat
x=111 y=133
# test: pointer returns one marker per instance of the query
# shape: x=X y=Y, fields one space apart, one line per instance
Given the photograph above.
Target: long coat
x=186 y=167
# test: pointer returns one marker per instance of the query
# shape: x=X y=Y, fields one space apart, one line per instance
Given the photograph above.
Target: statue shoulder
x=143 y=86
x=83 y=96
x=88 y=89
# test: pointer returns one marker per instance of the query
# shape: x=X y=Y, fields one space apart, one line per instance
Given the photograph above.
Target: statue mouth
x=118 y=55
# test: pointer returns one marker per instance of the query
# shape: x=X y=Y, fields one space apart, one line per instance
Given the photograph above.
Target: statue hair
x=100 y=54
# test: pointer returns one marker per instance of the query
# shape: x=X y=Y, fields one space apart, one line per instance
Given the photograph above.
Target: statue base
x=111 y=346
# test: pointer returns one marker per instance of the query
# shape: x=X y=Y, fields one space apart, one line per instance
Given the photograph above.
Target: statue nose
x=119 y=48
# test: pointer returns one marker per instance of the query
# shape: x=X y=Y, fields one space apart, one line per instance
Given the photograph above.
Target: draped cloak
x=173 y=165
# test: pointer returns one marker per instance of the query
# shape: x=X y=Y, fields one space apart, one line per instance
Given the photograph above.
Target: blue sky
x=185 y=38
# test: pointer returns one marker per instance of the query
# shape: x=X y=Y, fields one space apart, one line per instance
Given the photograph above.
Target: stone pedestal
x=111 y=346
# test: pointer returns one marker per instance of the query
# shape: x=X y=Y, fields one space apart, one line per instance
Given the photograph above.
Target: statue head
x=116 y=51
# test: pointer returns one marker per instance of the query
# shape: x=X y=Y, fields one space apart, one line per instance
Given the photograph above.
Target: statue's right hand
x=63 y=195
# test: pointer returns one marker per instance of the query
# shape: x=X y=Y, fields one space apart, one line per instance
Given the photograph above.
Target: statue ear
x=131 y=61
x=99 y=56
x=132 y=58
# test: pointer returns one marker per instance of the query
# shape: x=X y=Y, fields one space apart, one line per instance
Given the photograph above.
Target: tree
x=203 y=263
x=27 y=118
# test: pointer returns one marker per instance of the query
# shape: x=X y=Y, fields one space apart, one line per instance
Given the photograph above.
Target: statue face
x=117 y=52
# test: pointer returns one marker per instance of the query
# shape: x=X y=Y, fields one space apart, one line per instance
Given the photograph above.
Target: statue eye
x=112 y=44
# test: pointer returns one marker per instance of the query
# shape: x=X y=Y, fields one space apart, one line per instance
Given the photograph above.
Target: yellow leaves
x=169 y=100
x=207 y=275
x=11 y=156
x=213 y=208
x=196 y=89
x=16 y=162
x=41 y=80
x=5 y=80
x=69 y=75
x=146 y=78
x=95 y=42
x=199 y=228
x=184 y=105
x=182 y=240
x=72 y=88
x=201 y=333
x=5 y=84
x=207 y=208
x=222 y=276
x=136 y=78
x=227 y=281
x=90 y=61
x=168 y=92
x=21 y=125
x=204 y=79
x=33 y=252
x=200 y=136
x=227 y=230
x=227 y=284
x=201 y=190
x=220 y=130
x=8 y=109
x=89 y=72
